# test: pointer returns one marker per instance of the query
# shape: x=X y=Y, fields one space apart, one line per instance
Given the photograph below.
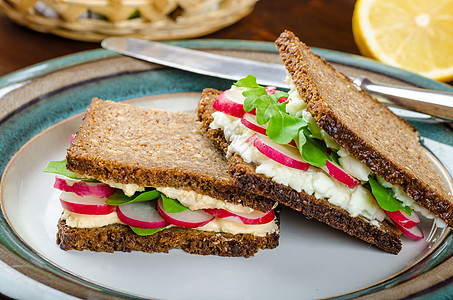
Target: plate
x=42 y=105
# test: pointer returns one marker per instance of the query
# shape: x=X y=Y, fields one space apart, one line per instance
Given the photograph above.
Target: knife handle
x=438 y=104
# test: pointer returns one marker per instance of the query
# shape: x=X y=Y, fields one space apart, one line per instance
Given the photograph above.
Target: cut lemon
x=415 y=35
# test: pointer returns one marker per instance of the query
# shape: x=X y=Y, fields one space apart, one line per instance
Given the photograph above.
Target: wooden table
x=320 y=23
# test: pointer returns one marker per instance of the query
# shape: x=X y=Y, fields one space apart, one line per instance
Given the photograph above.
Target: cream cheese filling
x=190 y=199
x=216 y=225
x=196 y=201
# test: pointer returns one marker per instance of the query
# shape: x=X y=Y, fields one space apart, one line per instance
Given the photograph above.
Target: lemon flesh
x=416 y=35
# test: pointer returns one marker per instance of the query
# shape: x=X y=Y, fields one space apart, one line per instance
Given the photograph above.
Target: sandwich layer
x=128 y=145
x=131 y=148
x=118 y=237
x=368 y=130
x=381 y=234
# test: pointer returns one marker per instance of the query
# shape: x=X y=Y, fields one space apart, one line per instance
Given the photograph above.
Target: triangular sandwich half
x=158 y=184
x=328 y=149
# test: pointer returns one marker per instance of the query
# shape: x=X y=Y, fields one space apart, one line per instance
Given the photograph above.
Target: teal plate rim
x=17 y=79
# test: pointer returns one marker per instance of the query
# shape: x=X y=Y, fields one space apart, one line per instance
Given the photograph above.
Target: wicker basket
x=93 y=20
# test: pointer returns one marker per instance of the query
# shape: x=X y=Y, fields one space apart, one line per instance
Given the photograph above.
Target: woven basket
x=94 y=20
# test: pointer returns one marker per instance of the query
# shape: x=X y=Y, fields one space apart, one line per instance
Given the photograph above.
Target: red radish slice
x=249 y=121
x=82 y=188
x=187 y=218
x=270 y=90
x=254 y=218
x=72 y=138
x=283 y=154
x=403 y=219
x=339 y=174
x=230 y=102
x=413 y=233
x=141 y=215
x=89 y=205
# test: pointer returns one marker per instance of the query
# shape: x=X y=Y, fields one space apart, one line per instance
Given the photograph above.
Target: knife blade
x=433 y=103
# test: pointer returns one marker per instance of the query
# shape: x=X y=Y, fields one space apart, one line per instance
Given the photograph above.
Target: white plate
x=312 y=261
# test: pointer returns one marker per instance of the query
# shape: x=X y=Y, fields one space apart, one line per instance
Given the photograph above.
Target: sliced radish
x=286 y=155
x=88 y=205
x=187 y=218
x=230 y=102
x=270 y=90
x=141 y=214
x=249 y=121
x=413 y=233
x=339 y=174
x=72 y=138
x=403 y=219
x=82 y=188
x=254 y=218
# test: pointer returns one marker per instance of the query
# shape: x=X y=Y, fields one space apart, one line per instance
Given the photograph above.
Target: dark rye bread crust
x=118 y=237
x=385 y=237
x=384 y=142
x=155 y=148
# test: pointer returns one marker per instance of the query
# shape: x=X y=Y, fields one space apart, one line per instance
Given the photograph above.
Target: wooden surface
x=319 y=23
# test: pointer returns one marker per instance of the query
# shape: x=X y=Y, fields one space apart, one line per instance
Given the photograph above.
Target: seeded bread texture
x=368 y=130
x=118 y=237
x=155 y=148
x=385 y=236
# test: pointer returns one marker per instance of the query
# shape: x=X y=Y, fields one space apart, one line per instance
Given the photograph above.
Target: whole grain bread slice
x=385 y=236
x=368 y=130
x=119 y=237
x=153 y=148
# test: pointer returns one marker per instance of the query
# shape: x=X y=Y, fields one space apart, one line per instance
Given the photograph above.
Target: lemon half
x=415 y=35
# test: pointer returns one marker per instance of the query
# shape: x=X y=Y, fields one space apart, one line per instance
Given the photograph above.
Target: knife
x=434 y=103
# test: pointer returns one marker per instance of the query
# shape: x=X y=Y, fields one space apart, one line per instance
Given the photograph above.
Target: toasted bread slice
x=384 y=142
x=384 y=235
x=119 y=237
x=155 y=148
x=126 y=144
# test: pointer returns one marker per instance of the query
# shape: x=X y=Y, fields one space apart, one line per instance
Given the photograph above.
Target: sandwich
x=137 y=179
x=327 y=149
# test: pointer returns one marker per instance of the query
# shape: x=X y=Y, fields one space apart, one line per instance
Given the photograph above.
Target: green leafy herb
x=312 y=151
x=385 y=198
x=248 y=82
x=144 y=232
x=282 y=127
x=172 y=206
x=59 y=167
x=119 y=198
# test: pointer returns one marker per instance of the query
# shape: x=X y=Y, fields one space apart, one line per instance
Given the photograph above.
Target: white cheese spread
x=89 y=221
x=196 y=201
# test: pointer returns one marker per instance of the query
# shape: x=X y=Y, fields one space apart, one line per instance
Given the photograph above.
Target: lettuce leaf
x=59 y=167
x=145 y=232
x=172 y=206
x=385 y=197
x=119 y=198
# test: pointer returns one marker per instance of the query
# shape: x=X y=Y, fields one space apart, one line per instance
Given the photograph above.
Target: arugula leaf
x=172 y=206
x=311 y=150
x=144 y=232
x=248 y=82
x=282 y=127
x=119 y=198
x=59 y=167
x=385 y=198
